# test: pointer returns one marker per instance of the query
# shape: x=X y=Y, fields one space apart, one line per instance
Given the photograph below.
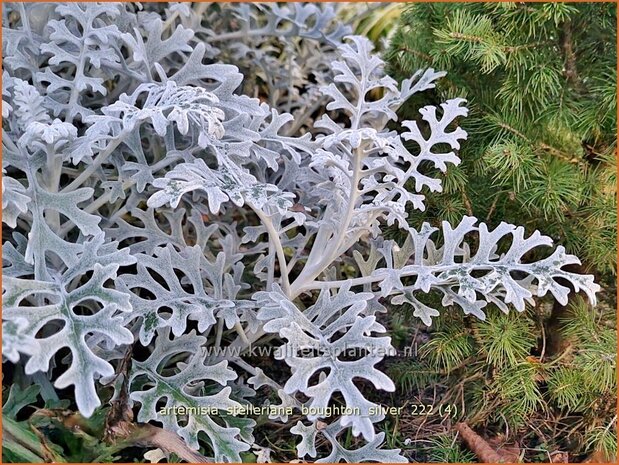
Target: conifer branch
x=508 y=49
x=466 y=37
x=417 y=53
x=571 y=72
x=542 y=145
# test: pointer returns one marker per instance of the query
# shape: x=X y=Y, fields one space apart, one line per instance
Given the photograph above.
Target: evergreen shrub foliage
x=540 y=83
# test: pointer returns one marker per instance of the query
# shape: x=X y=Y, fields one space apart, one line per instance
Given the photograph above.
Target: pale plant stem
x=277 y=244
x=290 y=85
x=169 y=21
x=54 y=171
x=219 y=334
x=40 y=268
x=412 y=270
x=311 y=285
x=300 y=120
x=360 y=231
x=311 y=271
x=375 y=213
x=272 y=383
x=124 y=69
x=120 y=212
x=244 y=365
x=350 y=210
x=321 y=236
x=6 y=139
x=271 y=271
x=83 y=177
x=79 y=74
x=239 y=329
x=244 y=341
x=290 y=227
x=339 y=283
x=201 y=8
x=239 y=344
x=105 y=198
x=242 y=34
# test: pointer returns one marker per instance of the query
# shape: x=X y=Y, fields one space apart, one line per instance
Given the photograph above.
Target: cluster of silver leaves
x=178 y=176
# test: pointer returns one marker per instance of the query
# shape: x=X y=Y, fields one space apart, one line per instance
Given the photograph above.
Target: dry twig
x=478 y=445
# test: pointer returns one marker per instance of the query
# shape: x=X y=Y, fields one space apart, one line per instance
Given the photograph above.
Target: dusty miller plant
x=183 y=178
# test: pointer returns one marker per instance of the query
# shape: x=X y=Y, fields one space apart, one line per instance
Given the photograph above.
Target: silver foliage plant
x=189 y=177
